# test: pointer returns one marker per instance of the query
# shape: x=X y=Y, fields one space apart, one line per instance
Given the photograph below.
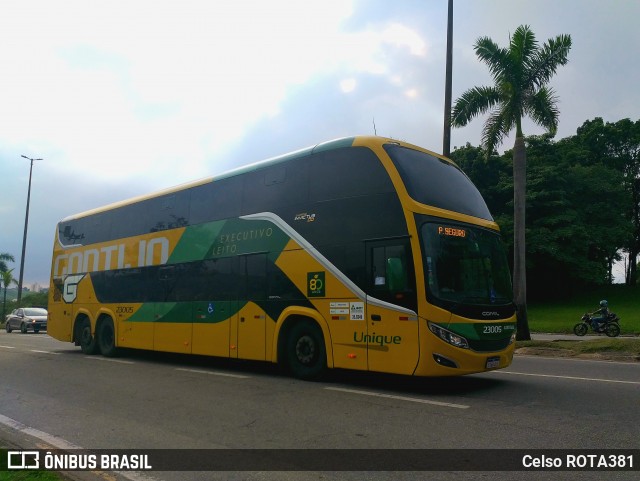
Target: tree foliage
x=580 y=204
x=520 y=73
x=35 y=299
x=4 y=258
x=618 y=145
x=6 y=279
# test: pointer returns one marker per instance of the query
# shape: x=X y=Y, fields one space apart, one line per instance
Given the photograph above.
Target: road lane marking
x=97 y=358
x=60 y=443
x=573 y=359
x=575 y=378
x=213 y=373
x=44 y=352
x=399 y=398
x=8 y=347
x=41 y=435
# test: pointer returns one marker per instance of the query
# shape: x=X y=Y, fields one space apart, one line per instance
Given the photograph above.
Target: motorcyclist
x=597 y=321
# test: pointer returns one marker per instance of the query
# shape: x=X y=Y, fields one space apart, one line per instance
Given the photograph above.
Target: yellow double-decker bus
x=361 y=253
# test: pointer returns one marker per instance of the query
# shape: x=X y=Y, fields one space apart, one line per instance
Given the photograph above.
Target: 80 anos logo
x=315 y=284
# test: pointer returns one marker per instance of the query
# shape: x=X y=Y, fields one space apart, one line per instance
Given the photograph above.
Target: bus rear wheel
x=107 y=338
x=306 y=353
x=86 y=340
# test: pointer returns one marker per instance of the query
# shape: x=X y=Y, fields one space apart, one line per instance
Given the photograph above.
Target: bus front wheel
x=306 y=354
x=107 y=338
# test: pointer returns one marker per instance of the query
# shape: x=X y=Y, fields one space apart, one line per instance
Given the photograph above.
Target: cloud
x=122 y=98
x=128 y=88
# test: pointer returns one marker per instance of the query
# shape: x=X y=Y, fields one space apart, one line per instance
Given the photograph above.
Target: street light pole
x=446 y=136
x=26 y=223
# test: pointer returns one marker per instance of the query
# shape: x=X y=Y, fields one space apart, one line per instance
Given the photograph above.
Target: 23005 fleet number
x=492 y=330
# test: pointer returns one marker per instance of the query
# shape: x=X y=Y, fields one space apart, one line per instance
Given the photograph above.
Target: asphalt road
x=54 y=394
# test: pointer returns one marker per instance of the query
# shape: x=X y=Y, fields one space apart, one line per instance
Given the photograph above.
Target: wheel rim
x=306 y=349
x=85 y=335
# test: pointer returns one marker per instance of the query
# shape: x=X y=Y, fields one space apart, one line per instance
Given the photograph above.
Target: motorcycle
x=610 y=326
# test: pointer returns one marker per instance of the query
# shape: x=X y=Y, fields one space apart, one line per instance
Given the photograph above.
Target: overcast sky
x=124 y=97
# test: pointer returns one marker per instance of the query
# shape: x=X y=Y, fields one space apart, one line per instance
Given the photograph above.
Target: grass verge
x=561 y=316
x=610 y=349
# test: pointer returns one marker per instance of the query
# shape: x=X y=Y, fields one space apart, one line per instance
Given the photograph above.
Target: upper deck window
x=436 y=182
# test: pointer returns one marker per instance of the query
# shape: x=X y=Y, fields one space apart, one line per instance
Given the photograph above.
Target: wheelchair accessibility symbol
x=210 y=309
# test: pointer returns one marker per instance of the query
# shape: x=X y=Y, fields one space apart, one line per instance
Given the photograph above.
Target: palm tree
x=6 y=278
x=4 y=258
x=520 y=73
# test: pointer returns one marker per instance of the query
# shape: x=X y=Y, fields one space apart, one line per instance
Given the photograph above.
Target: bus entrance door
x=392 y=332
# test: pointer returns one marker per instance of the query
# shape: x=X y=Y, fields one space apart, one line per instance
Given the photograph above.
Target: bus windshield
x=465 y=265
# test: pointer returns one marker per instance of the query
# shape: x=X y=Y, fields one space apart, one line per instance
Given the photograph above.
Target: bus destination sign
x=451 y=231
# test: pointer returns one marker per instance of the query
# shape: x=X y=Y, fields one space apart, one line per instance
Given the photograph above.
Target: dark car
x=27 y=318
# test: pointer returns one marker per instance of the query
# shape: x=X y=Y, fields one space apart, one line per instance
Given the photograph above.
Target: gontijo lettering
x=112 y=256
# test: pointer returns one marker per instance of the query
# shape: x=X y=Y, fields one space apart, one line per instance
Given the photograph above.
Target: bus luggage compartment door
x=392 y=340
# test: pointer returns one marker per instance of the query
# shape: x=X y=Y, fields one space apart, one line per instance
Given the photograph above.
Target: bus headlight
x=513 y=338
x=448 y=336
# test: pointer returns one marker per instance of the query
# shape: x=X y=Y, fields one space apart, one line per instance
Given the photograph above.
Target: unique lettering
x=373 y=338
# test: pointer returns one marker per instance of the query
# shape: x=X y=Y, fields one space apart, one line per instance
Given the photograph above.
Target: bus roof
x=321 y=147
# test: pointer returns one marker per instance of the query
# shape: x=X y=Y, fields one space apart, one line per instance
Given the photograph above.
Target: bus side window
x=389 y=268
x=390 y=273
x=378 y=268
x=396 y=274
x=254 y=268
